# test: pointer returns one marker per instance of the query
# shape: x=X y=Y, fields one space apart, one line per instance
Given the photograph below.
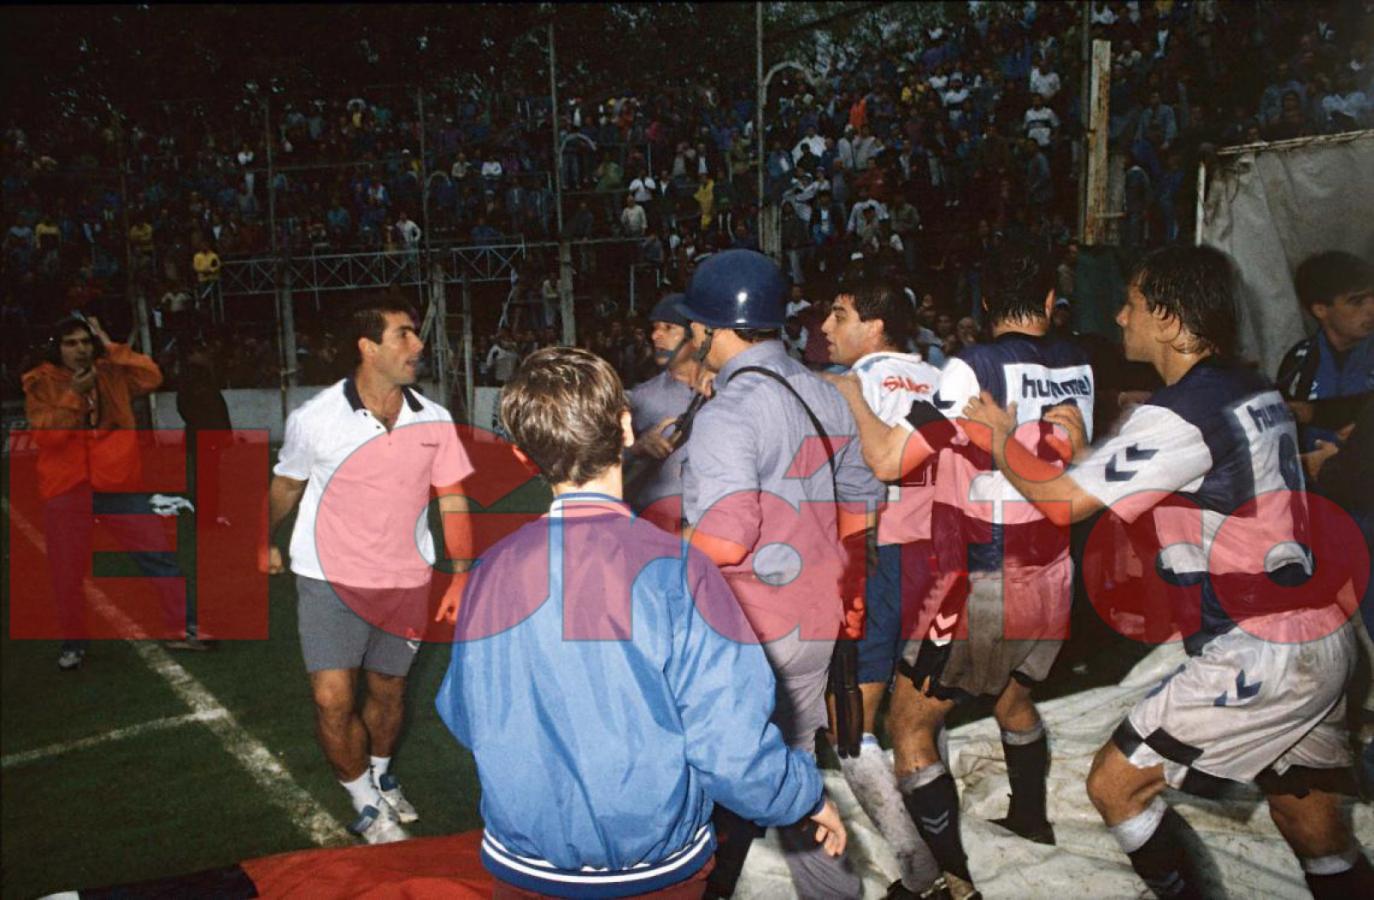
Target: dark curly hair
x=1196 y=286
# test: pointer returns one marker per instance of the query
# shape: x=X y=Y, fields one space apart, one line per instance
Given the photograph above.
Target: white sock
x=363 y=792
x=1136 y=831
x=871 y=778
x=380 y=765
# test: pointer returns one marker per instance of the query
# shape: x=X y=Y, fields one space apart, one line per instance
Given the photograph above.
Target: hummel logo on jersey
x=1163 y=682
x=942 y=629
x=1133 y=454
x=936 y=824
x=1115 y=474
x=1268 y=416
x=1051 y=389
x=1243 y=691
x=904 y=383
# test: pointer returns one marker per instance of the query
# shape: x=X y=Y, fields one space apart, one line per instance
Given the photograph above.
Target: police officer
x=660 y=408
x=767 y=458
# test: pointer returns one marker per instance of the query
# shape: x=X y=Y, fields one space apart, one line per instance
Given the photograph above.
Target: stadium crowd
x=928 y=148
x=924 y=189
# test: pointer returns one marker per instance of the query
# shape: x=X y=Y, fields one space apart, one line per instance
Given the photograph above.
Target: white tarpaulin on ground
x=1247 y=856
x=1270 y=207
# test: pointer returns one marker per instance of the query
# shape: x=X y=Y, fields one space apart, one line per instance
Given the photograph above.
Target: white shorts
x=1014 y=625
x=1243 y=706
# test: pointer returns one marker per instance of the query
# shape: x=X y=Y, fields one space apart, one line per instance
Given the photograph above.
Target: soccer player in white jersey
x=1208 y=469
x=1001 y=567
x=869 y=329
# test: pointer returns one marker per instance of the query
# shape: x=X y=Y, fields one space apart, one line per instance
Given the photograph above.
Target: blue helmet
x=667 y=310
x=736 y=289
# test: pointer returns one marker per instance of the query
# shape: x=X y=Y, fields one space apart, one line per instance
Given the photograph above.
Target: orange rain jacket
x=106 y=455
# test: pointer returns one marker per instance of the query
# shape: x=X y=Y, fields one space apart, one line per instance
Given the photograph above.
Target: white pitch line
x=303 y=809
x=28 y=756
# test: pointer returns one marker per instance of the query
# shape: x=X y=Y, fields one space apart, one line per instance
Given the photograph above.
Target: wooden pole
x=1096 y=217
x=1084 y=103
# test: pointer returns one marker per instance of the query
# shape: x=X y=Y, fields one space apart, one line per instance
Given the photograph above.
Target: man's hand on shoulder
x=1070 y=418
x=997 y=422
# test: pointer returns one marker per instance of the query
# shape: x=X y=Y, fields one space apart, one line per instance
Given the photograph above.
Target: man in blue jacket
x=1336 y=289
x=599 y=678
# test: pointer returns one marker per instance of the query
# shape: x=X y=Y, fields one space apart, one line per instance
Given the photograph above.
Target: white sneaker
x=391 y=793
x=70 y=660
x=378 y=826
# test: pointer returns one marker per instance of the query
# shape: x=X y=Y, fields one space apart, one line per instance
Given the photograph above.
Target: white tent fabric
x=1270 y=208
x=1248 y=858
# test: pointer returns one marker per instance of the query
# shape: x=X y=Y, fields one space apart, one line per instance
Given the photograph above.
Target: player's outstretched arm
x=889 y=450
x=1056 y=494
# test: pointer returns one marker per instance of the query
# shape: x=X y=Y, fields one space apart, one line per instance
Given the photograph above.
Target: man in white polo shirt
x=362 y=458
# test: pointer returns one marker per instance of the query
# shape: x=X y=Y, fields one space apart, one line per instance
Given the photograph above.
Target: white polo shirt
x=363 y=517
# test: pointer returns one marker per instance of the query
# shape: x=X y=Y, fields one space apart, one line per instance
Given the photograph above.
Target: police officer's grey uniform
x=756 y=475
x=747 y=440
x=659 y=398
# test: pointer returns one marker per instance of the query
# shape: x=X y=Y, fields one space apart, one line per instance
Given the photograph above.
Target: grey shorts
x=1245 y=705
x=383 y=639
x=1012 y=625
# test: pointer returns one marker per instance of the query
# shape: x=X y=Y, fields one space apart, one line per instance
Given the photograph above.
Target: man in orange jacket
x=83 y=394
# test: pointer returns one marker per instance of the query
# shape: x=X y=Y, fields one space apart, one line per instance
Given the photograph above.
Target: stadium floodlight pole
x=286 y=311
x=763 y=99
x=271 y=187
x=565 y=292
x=137 y=297
x=758 y=113
x=1084 y=94
x=424 y=168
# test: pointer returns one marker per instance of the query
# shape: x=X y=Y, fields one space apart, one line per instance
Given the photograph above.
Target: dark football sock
x=1028 y=764
x=1153 y=841
x=1339 y=877
x=933 y=803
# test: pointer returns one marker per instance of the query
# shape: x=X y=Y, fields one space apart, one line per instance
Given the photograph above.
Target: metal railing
x=479 y=263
